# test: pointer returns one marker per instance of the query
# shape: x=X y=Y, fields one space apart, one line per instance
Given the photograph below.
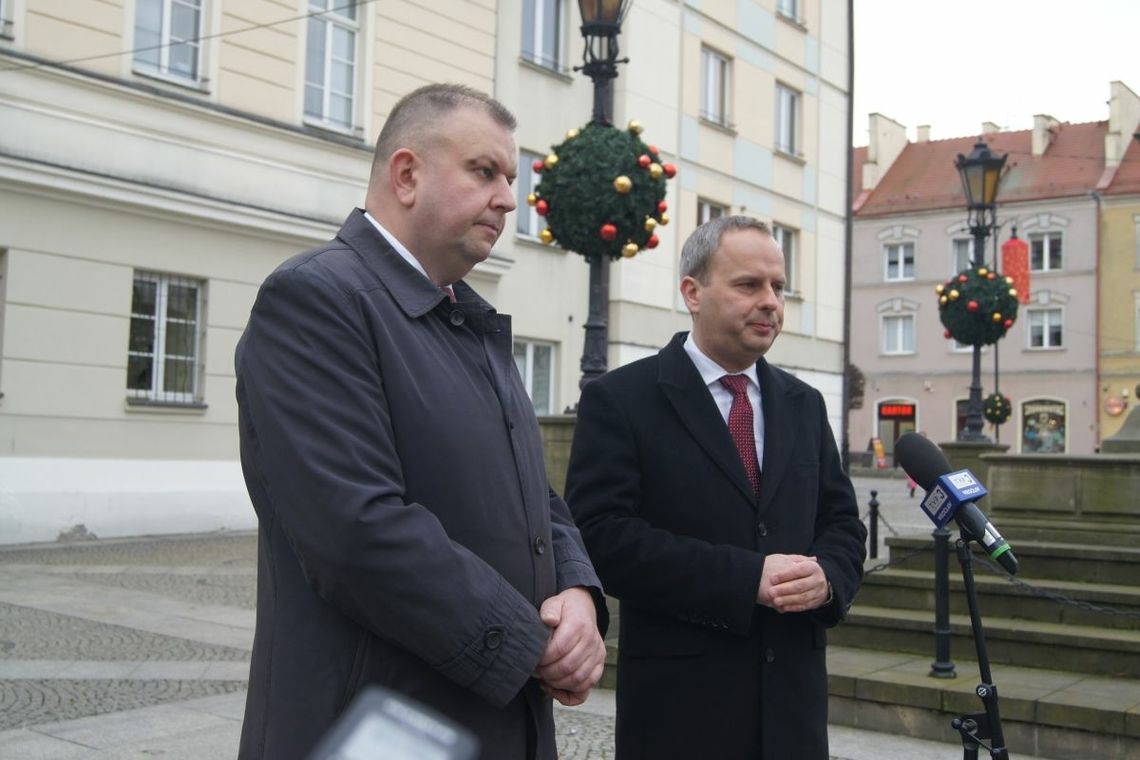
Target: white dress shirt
x=711 y=373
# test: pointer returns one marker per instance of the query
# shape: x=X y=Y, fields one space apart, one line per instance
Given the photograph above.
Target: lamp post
x=601 y=25
x=980 y=172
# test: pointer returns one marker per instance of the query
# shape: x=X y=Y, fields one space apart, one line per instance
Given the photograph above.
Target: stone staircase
x=1068 y=674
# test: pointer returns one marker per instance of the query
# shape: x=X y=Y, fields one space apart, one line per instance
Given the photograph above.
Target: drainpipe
x=1096 y=311
x=844 y=442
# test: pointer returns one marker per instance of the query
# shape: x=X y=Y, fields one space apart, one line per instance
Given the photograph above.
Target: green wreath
x=602 y=192
x=977 y=306
x=997 y=408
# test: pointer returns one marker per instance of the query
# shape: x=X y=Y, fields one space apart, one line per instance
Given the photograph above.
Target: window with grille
x=899 y=261
x=542 y=33
x=708 y=210
x=898 y=334
x=1045 y=251
x=962 y=254
x=164 y=352
x=787 y=120
x=1045 y=328
x=168 y=38
x=535 y=362
x=715 y=72
x=788 y=240
x=330 y=64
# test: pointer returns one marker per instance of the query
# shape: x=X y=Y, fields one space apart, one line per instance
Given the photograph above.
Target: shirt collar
x=711 y=372
x=399 y=247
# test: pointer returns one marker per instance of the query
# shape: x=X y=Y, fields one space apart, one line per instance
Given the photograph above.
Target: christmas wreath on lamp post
x=602 y=192
x=977 y=306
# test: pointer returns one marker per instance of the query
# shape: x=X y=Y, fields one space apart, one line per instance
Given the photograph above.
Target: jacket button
x=762 y=529
x=493 y=639
x=457 y=318
x=539 y=545
x=769 y=655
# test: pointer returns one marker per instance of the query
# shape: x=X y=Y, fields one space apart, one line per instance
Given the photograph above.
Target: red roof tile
x=924 y=176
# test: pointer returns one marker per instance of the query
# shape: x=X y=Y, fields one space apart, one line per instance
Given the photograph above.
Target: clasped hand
x=792 y=583
x=575 y=654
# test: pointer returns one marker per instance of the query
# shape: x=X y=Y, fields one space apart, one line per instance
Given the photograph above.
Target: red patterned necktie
x=740 y=427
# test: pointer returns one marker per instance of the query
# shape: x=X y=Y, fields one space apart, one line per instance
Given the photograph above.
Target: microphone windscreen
x=921 y=459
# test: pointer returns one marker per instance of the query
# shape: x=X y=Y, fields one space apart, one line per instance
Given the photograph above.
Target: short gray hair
x=705 y=239
x=420 y=109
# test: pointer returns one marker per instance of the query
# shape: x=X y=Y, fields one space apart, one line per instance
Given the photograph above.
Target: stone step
x=1048 y=601
x=1018 y=526
x=1024 y=643
x=1039 y=560
x=1048 y=713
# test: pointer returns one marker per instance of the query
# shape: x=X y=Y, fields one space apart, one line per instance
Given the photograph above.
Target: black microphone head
x=921 y=459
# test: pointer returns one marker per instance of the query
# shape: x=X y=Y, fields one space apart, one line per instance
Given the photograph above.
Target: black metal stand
x=943 y=666
x=975 y=728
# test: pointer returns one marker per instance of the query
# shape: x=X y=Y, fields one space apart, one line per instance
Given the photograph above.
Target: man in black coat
x=407 y=533
x=719 y=515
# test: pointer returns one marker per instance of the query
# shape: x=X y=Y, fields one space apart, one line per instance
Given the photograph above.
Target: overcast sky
x=953 y=64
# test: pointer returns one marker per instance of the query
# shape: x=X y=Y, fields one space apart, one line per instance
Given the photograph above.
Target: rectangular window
x=164 y=350
x=6 y=31
x=707 y=210
x=535 y=362
x=542 y=33
x=1045 y=328
x=787 y=120
x=898 y=334
x=1045 y=252
x=330 y=64
x=529 y=222
x=900 y=261
x=789 y=9
x=961 y=255
x=787 y=239
x=168 y=38
x=715 y=72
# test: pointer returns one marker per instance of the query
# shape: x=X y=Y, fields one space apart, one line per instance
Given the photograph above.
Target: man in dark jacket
x=707 y=487
x=407 y=533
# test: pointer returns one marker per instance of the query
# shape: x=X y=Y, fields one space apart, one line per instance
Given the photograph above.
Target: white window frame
x=894 y=323
x=534 y=39
x=1047 y=324
x=7 y=31
x=789 y=241
x=156 y=392
x=167 y=44
x=529 y=223
x=708 y=210
x=1046 y=237
x=789 y=9
x=788 y=119
x=526 y=371
x=967 y=247
x=321 y=12
x=716 y=86
x=900 y=275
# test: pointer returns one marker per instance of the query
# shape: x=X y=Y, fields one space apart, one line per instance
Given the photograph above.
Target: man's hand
x=575 y=654
x=792 y=583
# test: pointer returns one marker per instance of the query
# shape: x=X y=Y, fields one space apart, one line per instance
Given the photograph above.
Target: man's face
x=739 y=310
x=463 y=191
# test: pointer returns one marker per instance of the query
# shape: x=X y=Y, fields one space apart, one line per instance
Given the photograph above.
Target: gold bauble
x=635 y=127
x=943 y=300
x=629 y=250
x=997 y=316
x=656 y=171
x=550 y=161
x=982 y=271
x=623 y=184
x=571 y=133
x=650 y=224
x=546 y=236
x=1008 y=280
x=954 y=295
x=1013 y=292
x=664 y=219
x=939 y=288
x=531 y=199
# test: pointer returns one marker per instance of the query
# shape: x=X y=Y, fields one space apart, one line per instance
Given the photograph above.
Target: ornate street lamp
x=980 y=172
x=601 y=25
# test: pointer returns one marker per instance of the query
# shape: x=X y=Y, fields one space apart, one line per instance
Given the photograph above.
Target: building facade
x=910 y=236
x=158 y=158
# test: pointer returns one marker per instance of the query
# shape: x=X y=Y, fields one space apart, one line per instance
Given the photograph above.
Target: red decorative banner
x=1015 y=265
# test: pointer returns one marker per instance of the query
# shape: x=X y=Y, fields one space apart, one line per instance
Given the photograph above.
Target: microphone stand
x=975 y=727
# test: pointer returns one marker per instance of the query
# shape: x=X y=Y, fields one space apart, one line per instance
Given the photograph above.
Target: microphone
x=951 y=494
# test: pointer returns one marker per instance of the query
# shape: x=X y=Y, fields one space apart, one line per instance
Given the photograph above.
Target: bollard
x=942 y=667
x=873 y=528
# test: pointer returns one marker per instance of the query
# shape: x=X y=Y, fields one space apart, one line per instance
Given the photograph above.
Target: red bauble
x=947 y=334
x=670 y=170
x=962 y=278
x=1008 y=323
x=652 y=242
x=652 y=149
x=608 y=232
x=972 y=306
x=990 y=276
x=644 y=161
x=538 y=166
x=541 y=207
x=662 y=207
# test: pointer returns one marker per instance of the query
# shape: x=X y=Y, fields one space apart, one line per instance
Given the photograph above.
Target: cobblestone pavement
x=140 y=647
